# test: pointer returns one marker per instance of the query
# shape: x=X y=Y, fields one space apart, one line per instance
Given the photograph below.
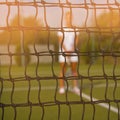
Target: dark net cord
x=29 y=80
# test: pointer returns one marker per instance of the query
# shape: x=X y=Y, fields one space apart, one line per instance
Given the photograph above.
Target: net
x=29 y=53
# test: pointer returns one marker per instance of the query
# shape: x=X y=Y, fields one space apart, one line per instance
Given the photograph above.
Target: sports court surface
x=38 y=98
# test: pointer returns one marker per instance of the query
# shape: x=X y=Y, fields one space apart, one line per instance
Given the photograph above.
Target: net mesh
x=29 y=72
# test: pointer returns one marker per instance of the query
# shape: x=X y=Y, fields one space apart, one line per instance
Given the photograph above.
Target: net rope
x=8 y=79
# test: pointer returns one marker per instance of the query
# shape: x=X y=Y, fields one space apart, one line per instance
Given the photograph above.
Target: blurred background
x=24 y=26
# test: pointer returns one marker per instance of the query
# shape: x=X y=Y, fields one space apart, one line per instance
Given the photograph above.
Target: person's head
x=68 y=19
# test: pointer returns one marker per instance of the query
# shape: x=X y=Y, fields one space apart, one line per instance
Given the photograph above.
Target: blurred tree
x=108 y=24
x=106 y=36
x=13 y=34
x=33 y=32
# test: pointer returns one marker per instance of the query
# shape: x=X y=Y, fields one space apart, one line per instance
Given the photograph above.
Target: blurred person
x=68 y=39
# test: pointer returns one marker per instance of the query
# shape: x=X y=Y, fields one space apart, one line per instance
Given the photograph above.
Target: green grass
x=41 y=100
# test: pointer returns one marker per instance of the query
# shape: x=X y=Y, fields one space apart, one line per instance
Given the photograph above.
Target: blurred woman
x=68 y=39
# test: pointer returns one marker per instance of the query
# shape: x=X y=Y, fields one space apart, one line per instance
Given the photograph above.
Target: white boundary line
x=50 y=87
x=105 y=105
